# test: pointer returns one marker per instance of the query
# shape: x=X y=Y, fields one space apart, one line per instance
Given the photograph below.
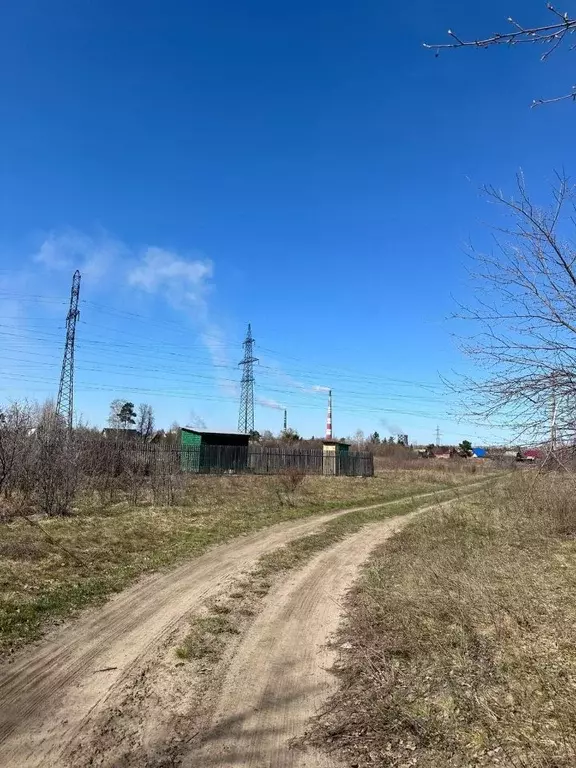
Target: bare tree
x=56 y=470
x=525 y=316
x=15 y=428
x=114 y=416
x=358 y=440
x=145 y=421
x=45 y=416
x=551 y=36
x=172 y=437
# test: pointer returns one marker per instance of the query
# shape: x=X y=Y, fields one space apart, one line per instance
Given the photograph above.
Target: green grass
x=102 y=549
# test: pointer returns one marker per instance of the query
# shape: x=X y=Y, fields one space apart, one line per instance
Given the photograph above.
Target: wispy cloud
x=214 y=341
x=183 y=282
x=93 y=255
x=289 y=381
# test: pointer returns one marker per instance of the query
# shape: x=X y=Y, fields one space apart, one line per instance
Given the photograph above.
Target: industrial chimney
x=329 y=417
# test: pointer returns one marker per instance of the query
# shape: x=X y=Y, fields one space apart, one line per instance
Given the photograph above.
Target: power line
x=217 y=341
x=143 y=353
x=167 y=361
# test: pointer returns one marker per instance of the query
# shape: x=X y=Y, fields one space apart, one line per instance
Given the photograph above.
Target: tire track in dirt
x=50 y=691
x=279 y=677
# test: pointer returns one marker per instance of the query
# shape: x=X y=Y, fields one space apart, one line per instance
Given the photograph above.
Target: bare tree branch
x=145 y=421
x=525 y=315
x=552 y=36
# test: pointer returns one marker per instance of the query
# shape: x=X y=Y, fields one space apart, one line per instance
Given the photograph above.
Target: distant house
x=532 y=454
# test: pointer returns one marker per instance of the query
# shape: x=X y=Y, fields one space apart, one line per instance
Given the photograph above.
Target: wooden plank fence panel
x=148 y=458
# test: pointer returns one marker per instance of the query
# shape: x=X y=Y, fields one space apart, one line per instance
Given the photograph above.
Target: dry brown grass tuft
x=23 y=548
x=204 y=640
x=462 y=638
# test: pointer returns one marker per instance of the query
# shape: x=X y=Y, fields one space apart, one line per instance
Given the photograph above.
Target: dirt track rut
x=279 y=676
x=50 y=692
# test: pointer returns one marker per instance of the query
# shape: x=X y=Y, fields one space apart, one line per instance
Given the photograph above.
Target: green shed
x=212 y=452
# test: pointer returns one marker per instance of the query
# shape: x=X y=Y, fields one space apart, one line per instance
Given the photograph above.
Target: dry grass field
x=458 y=647
x=50 y=567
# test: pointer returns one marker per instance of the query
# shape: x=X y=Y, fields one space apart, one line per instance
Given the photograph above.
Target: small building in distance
x=532 y=454
x=204 y=451
x=335 y=452
x=479 y=453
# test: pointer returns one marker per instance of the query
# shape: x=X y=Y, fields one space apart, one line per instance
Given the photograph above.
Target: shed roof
x=335 y=442
x=232 y=433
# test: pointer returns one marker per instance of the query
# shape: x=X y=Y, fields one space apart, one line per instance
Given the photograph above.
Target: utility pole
x=437 y=435
x=246 y=413
x=285 y=419
x=65 y=401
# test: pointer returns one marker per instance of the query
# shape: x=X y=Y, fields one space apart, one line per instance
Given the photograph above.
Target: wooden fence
x=221 y=459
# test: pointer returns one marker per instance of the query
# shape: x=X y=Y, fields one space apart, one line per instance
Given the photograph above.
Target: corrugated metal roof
x=215 y=432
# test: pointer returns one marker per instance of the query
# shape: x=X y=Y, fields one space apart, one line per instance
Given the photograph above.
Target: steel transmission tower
x=65 y=402
x=246 y=414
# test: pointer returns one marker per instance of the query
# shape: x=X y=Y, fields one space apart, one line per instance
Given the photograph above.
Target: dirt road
x=50 y=693
x=279 y=676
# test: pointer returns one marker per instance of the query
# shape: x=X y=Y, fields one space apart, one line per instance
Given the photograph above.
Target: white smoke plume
x=266 y=403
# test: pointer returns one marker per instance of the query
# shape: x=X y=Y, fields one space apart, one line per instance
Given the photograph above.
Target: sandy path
x=48 y=691
x=278 y=678
x=50 y=694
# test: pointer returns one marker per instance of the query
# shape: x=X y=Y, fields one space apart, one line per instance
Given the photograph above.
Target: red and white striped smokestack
x=329 y=417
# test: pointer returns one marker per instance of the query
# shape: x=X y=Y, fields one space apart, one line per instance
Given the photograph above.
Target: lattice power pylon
x=65 y=402
x=246 y=414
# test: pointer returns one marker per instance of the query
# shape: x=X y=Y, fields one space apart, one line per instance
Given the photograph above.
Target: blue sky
x=307 y=167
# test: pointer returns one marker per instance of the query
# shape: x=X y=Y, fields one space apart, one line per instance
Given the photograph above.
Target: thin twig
x=55 y=543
